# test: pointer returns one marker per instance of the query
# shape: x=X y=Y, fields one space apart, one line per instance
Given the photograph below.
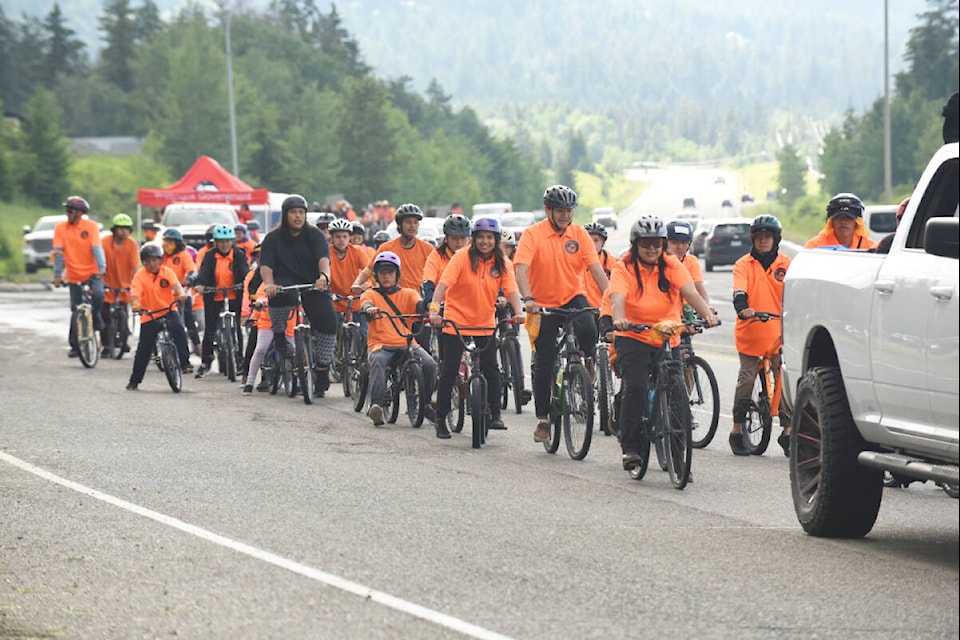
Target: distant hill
x=821 y=56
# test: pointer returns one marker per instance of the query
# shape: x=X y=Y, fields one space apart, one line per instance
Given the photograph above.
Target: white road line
x=329 y=579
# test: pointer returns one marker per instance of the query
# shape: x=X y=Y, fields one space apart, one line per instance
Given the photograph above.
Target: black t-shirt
x=294 y=258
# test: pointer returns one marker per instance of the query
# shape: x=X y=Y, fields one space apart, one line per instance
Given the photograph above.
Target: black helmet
x=766 y=223
x=408 y=211
x=679 y=230
x=456 y=225
x=560 y=197
x=647 y=226
x=845 y=203
x=293 y=202
x=357 y=228
x=596 y=228
x=381 y=236
x=150 y=251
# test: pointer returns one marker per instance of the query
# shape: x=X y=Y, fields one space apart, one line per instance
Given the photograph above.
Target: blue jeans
x=380 y=360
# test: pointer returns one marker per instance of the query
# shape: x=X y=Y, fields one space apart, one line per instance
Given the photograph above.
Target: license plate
x=735 y=243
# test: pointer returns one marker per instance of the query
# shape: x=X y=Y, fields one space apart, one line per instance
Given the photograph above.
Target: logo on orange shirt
x=176 y=260
x=780 y=274
x=494 y=272
x=164 y=283
x=84 y=234
x=571 y=246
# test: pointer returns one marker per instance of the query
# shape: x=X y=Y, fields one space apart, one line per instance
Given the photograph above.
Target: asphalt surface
x=207 y=514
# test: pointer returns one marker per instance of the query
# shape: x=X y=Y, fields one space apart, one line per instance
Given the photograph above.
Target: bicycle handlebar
x=153 y=312
x=763 y=316
x=463 y=340
x=568 y=313
x=380 y=313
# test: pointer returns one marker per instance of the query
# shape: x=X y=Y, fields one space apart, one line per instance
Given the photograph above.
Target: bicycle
x=117 y=332
x=350 y=349
x=758 y=424
x=571 y=390
x=702 y=389
x=303 y=362
x=511 y=368
x=82 y=331
x=668 y=414
x=277 y=366
x=608 y=386
x=165 y=349
x=225 y=338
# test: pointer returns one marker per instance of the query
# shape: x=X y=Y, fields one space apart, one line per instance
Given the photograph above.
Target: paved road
x=211 y=515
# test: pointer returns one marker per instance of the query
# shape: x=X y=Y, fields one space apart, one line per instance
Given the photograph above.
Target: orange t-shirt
x=197 y=298
x=380 y=332
x=122 y=262
x=471 y=296
x=412 y=261
x=182 y=264
x=343 y=271
x=764 y=291
x=223 y=275
x=594 y=296
x=556 y=262
x=650 y=305
x=435 y=265
x=261 y=317
x=247 y=246
x=829 y=238
x=77 y=242
x=154 y=291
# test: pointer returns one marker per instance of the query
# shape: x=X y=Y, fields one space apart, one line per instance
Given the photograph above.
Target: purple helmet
x=487 y=224
x=387 y=260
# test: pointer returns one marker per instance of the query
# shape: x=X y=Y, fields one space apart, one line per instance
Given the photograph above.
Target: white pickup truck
x=871 y=344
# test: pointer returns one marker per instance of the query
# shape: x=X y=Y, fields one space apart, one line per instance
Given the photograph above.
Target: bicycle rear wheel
x=758 y=423
x=704 y=398
x=171 y=363
x=86 y=338
x=415 y=391
x=477 y=392
x=230 y=348
x=516 y=372
x=392 y=395
x=458 y=405
x=304 y=364
x=604 y=388
x=556 y=421
x=120 y=333
x=578 y=414
x=674 y=427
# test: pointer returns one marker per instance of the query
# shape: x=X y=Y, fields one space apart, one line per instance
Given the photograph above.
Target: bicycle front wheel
x=360 y=388
x=516 y=372
x=578 y=411
x=86 y=338
x=604 y=388
x=704 y=398
x=415 y=391
x=392 y=395
x=171 y=363
x=758 y=423
x=304 y=364
x=674 y=427
x=458 y=405
x=556 y=419
x=506 y=371
x=120 y=333
x=477 y=392
x=230 y=349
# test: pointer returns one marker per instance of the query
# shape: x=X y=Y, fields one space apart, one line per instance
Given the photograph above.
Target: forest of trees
x=310 y=116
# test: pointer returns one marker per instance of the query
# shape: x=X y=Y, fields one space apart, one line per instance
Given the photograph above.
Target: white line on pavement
x=323 y=577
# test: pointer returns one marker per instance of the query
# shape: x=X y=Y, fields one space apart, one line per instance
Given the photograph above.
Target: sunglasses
x=650 y=243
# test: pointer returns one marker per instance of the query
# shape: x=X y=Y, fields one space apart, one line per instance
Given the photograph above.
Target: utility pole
x=887 y=170
x=233 y=114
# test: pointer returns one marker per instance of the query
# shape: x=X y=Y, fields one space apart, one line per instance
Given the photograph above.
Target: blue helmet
x=223 y=232
x=173 y=234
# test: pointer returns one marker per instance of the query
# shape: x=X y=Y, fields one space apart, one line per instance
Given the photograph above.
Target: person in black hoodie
x=225 y=266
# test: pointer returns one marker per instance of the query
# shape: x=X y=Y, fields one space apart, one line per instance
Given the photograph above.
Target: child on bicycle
x=468 y=290
x=456 y=235
x=347 y=260
x=224 y=266
x=263 y=329
x=758 y=285
x=647 y=287
x=156 y=287
x=384 y=343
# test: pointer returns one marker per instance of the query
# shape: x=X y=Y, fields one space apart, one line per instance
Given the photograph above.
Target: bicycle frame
x=475 y=389
x=82 y=322
x=303 y=361
x=395 y=378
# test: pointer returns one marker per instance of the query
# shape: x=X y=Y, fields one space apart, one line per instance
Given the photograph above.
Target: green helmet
x=122 y=220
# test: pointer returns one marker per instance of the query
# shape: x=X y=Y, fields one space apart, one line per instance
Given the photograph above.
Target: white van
x=491 y=210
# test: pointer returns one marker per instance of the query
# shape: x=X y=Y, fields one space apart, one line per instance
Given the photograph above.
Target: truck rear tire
x=833 y=495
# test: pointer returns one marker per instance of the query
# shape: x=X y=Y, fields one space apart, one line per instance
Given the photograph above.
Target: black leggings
x=586 y=329
x=452 y=353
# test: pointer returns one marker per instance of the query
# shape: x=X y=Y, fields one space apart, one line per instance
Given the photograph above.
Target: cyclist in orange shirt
x=468 y=289
x=383 y=341
x=413 y=251
x=176 y=256
x=347 y=260
x=242 y=239
x=551 y=260
x=845 y=226
x=598 y=233
x=647 y=287
x=225 y=266
x=121 y=253
x=508 y=242
x=357 y=233
x=155 y=287
x=758 y=285
x=456 y=235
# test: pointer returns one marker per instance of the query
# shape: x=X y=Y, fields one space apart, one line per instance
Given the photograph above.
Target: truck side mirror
x=941 y=237
x=253 y=225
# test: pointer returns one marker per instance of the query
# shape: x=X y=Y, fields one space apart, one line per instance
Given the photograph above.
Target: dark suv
x=727 y=242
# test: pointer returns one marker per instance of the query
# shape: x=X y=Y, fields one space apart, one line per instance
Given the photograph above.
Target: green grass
x=13 y=216
x=605 y=191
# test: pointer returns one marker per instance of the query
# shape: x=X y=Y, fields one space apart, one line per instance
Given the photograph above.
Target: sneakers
x=442 y=432
x=525 y=397
x=784 y=442
x=187 y=369
x=132 y=386
x=247 y=390
x=736 y=445
x=430 y=414
x=497 y=425
x=203 y=371
x=106 y=352
x=376 y=415
x=74 y=353
x=542 y=434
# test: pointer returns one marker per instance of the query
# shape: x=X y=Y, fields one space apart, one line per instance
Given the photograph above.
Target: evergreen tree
x=6 y=170
x=147 y=20
x=64 y=52
x=43 y=161
x=336 y=42
x=120 y=33
x=271 y=159
x=367 y=143
x=22 y=65
x=791 y=179
x=932 y=53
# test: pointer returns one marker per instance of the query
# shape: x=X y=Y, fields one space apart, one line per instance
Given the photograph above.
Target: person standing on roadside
x=551 y=260
x=77 y=258
x=298 y=253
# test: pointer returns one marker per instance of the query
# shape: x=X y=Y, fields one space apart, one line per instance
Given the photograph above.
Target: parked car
x=607 y=216
x=517 y=222
x=38 y=242
x=881 y=220
x=490 y=210
x=690 y=215
x=727 y=242
x=193 y=219
x=719 y=180
x=689 y=203
x=746 y=197
x=700 y=232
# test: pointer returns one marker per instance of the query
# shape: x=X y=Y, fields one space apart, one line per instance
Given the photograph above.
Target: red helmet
x=76 y=202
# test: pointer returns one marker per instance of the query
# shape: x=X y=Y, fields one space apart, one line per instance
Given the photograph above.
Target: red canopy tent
x=205 y=181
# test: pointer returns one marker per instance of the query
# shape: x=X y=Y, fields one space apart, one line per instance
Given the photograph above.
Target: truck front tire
x=833 y=495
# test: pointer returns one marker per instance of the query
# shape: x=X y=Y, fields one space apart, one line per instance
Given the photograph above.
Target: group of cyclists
x=476 y=277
